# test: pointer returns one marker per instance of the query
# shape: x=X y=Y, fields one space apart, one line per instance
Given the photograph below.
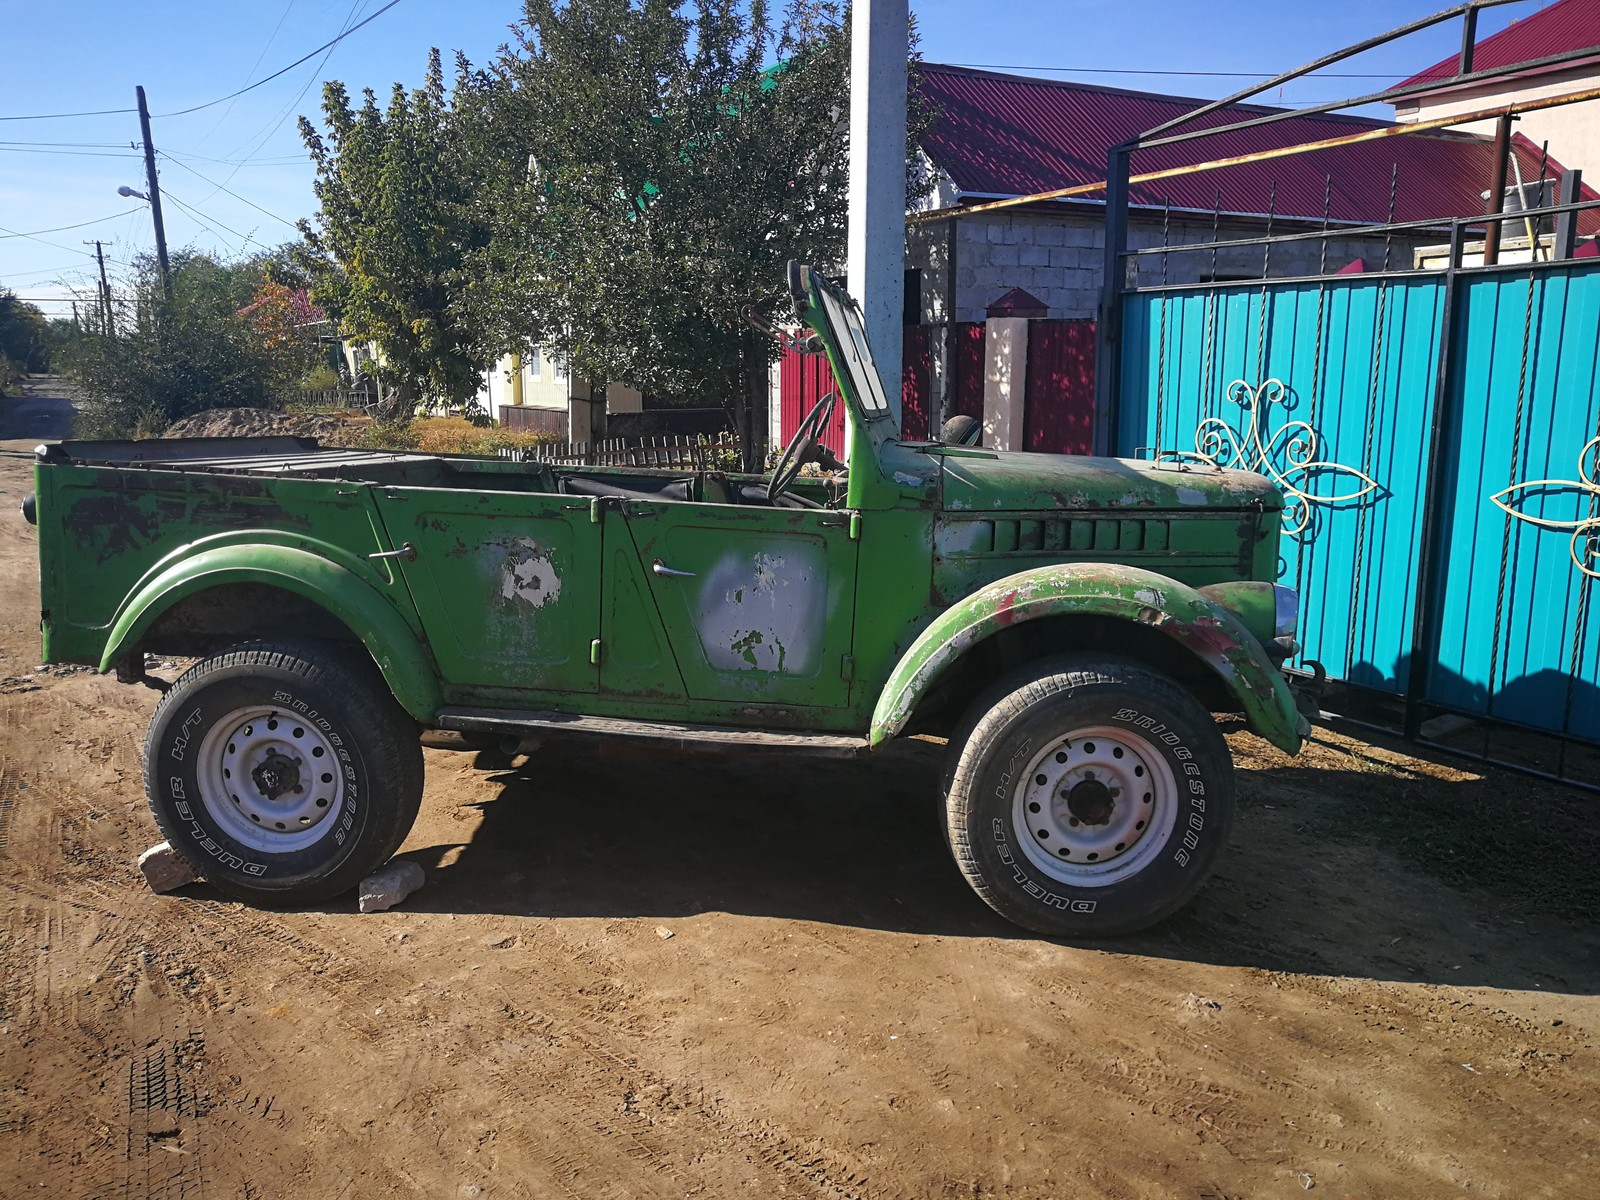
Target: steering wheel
x=800 y=446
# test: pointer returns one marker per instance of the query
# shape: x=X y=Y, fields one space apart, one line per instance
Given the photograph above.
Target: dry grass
x=446 y=435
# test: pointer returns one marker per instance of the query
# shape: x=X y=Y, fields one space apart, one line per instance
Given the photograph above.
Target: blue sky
x=72 y=56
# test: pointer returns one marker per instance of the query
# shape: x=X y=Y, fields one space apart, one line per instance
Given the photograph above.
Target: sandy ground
x=1388 y=990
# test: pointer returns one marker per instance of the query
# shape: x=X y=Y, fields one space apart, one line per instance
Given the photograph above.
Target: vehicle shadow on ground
x=1306 y=885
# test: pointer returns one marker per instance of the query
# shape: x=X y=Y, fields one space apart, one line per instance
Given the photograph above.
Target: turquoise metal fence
x=1329 y=386
x=1519 y=639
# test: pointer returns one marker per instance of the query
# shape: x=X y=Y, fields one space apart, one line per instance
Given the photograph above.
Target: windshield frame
x=850 y=336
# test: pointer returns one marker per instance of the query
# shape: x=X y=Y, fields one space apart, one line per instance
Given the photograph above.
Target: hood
x=988 y=481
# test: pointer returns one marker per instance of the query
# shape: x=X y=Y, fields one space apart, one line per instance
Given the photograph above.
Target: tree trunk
x=400 y=405
x=750 y=409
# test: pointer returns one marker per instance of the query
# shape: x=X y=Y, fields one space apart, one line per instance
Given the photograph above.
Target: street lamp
x=125 y=191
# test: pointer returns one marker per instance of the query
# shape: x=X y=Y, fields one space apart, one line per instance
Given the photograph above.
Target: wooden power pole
x=108 y=324
x=155 y=194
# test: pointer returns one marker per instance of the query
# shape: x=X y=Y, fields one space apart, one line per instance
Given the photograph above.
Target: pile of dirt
x=330 y=428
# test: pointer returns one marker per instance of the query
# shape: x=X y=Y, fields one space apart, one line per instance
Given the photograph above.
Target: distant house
x=534 y=393
x=1572 y=130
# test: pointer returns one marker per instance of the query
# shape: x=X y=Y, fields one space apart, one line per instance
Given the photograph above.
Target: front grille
x=1053 y=536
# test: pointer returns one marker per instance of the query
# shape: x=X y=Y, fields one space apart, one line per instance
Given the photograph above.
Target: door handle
x=661 y=568
x=408 y=552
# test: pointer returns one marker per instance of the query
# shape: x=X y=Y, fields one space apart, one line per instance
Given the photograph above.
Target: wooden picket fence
x=673 y=451
x=339 y=398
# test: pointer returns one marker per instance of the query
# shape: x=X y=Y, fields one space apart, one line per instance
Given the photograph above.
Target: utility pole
x=876 y=238
x=108 y=325
x=155 y=194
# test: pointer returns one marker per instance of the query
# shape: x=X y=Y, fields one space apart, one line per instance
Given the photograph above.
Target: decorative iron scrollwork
x=1287 y=456
x=1585 y=530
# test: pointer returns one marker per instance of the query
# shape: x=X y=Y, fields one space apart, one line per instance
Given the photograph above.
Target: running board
x=704 y=737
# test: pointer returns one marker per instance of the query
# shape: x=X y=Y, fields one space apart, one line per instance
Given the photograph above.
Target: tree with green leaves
x=26 y=339
x=647 y=168
x=170 y=359
x=393 y=230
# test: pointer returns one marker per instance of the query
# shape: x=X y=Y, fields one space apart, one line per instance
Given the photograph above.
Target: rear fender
x=1205 y=629
x=394 y=646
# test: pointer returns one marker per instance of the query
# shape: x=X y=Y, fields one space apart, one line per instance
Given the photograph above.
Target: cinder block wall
x=1061 y=259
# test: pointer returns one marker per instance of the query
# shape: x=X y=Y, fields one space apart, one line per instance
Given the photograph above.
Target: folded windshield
x=850 y=335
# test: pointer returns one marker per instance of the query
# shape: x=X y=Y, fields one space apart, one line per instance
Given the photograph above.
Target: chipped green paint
x=668 y=595
x=1203 y=627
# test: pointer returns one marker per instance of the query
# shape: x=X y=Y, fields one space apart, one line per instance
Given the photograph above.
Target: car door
x=507 y=584
x=758 y=603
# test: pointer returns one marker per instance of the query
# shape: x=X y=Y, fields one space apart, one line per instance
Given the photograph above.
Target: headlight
x=1285 y=624
x=1285 y=611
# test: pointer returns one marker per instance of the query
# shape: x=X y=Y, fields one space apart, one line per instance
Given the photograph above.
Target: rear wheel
x=1088 y=797
x=283 y=773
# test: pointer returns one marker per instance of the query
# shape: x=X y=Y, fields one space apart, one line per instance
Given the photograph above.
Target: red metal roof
x=1010 y=135
x=1566 y=25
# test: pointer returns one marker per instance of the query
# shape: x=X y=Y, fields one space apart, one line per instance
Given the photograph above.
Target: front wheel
x=1088 y=797
x=283 y=773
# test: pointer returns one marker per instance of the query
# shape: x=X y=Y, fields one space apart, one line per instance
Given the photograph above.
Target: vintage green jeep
x=1068 y=623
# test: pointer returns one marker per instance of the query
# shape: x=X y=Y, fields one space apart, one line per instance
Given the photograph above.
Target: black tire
x=277 y=712
x=1098 y=839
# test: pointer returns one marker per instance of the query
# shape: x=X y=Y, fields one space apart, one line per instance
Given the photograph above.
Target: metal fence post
x=1108 y=348
x=1430 y=558
x=1567 y=192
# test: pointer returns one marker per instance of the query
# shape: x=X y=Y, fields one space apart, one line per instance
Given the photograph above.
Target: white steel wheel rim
x=270 y=780
x=1095 y=806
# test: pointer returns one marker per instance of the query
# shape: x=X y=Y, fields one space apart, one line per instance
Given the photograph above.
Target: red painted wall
x=1058 y=413
x=967 y=359
x=804 y=378
x=1058 y=400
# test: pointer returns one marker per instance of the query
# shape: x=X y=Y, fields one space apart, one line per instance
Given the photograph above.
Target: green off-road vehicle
x=1068 y=623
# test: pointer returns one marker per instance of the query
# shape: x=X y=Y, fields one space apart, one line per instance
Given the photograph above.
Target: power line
x=286 y=160
x=355 y=7
x=232 y=193
x=40 y=271
x=68 y=153
x=210 y=223
x=46 y=242
x=284 y=70
x=63 y=228
x=104 y=112
x=265 y=46
x=89 y=145
x=109 y=112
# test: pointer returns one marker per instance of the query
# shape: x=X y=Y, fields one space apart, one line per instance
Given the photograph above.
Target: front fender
x=1201 y=626
x=391 y=642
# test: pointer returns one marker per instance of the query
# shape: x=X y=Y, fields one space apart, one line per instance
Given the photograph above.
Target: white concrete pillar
x=876 y=240
x=775 y=438
x=1005 y=380
x=580 y=412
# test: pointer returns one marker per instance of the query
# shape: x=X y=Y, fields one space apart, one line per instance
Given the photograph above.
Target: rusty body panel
x=654 y=595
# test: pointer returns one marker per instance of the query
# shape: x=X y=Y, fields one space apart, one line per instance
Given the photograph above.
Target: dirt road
x=1389 y=990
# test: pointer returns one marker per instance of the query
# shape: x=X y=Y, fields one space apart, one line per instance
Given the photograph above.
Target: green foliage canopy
x=647 y=171
x=393 y=232
x=170 y=360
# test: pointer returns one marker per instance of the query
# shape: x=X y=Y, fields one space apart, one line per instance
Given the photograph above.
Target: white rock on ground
x=163 y=870
x=389 y=885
